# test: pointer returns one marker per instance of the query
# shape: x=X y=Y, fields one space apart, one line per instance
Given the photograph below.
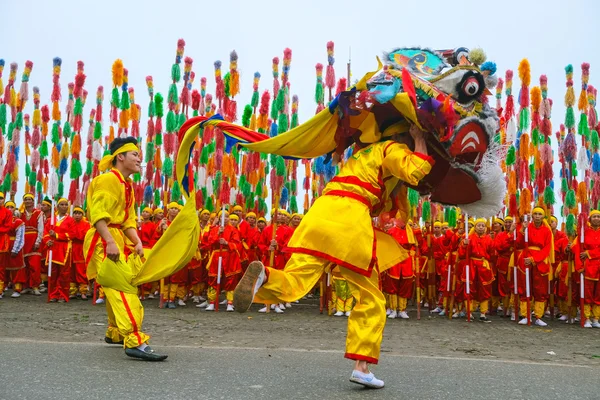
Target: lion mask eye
x=463 y=85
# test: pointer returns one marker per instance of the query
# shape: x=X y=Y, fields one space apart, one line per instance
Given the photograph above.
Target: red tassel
x=408 y=87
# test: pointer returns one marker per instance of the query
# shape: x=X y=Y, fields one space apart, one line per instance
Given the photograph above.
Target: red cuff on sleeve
x=422 y=156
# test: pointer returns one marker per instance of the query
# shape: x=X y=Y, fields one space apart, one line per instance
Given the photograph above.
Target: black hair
x=117 y=143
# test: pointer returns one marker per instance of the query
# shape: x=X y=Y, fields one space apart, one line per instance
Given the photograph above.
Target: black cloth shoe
x=485 y=319
x=110 y=341
x=147 y=354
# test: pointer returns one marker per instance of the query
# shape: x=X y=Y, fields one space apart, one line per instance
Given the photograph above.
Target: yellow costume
x=362 y=189
x=110 y=197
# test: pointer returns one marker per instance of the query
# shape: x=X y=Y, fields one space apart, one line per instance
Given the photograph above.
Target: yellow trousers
x=591 y=311
x=125 y=316
x=367 y=320
x=539 y=307
x=402 y=302
x=74 y=289
x=169 y=291
x=211 y=294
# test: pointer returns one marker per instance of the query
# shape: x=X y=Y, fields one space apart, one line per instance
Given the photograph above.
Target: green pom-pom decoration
x=44 y=150
x=294 y=122
x=570 y=201
x=175 y=73
x=282 y=123
x=571 y=225
x=446 y=213
x=32 y=178
x=19 y=121
x=137 y=177
x=236 y=154
x=583 y=128
x=574 y=169
x=125 y=102
x=535 y=137
x=247 y=115
x=595 y=141
x=7 y=183
x=564 y=186
x=2 y=115
x=167 y=167
x=524 y=119
x=11 y=128
x=171 y=122
x=158 y=140
x=176 y=192
x=510 y=156
x=532 y=171
x=227 y=84
x=497 y=138
x=204 y=156
x=61 y=189
x=294 y=186
x=76 y=170
x=180 y=121
x=55 y=134
x=319 y=94
x=254 y=101
x=27 y=169
x=208 y=204
x=38 y=187
x=157 y=197
x=413 y=198
x=452 y=217
x=172 y=95
x=293 y=204
x=280 y=100
x=78 y=108
x=280 y=166
x=97 y=131
x=426 y=211
x=151 y=109
x=67 y=130
x=259 y=187
x=158 y=105
x=249 y=203
x=549 y=198
x=89 y=167
x=114 y=98
x=149 y=152
x=570 y=118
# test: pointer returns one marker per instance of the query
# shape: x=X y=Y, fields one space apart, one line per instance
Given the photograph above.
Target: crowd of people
x=525 y=269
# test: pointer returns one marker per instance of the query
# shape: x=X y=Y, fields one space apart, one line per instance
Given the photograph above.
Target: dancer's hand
x=139 y=249
x=419 y=137
x=528 y=261
x=223 y=241
x=52 y=233
x=583 y=256
x=112 y=251
x=50 y=243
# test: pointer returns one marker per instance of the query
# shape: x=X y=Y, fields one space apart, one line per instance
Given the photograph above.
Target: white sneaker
x=272 y=306
x=278 y=310
x=596 y=324
x=338 y=314
x=588 y=324
x=281 y=306
x=223 y=302
x=393 y=315
x=288 y=305
x=539 y=322
x=15 y=295
x=200 y=298
x=563 y=317
x=425 y=305
x=297 y=302
x=499 y=310
x=263 y=310
x=437 y=310
x=230 y=307
x=43 y=289
x=347 y=314
x=456 y=315
x=150 y=296
x=1 y=295
x=181 y=303
x=547 y=313
x=25 y=291
x=36 y=292
x=388 y=311
x=523 y=321
x=211 y=307
x=202 y=305
x=367 y=380
x=513 y=317
x=403 y=315
x=100 y=300
x=195 y=299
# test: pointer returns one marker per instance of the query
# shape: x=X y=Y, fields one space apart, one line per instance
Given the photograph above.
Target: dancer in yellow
x=324 y=236
x=113 y=248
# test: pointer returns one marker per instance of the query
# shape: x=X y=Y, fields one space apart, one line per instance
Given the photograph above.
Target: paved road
x=55 y=370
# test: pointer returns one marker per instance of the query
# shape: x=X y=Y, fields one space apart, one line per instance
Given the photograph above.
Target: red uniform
x=480 y=271
x=78 y=269
x=591 y=266
x=6 y=218
x=230 y=262
x=61 y=257
x=539 y=248
x=561 y=268
x=503 y=247
x=403 y=274
x=16 y=262
x=146 y=233
x=33 y=256
x=282 y=236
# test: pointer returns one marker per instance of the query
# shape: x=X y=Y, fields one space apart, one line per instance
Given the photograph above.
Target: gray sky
x=551 y=34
